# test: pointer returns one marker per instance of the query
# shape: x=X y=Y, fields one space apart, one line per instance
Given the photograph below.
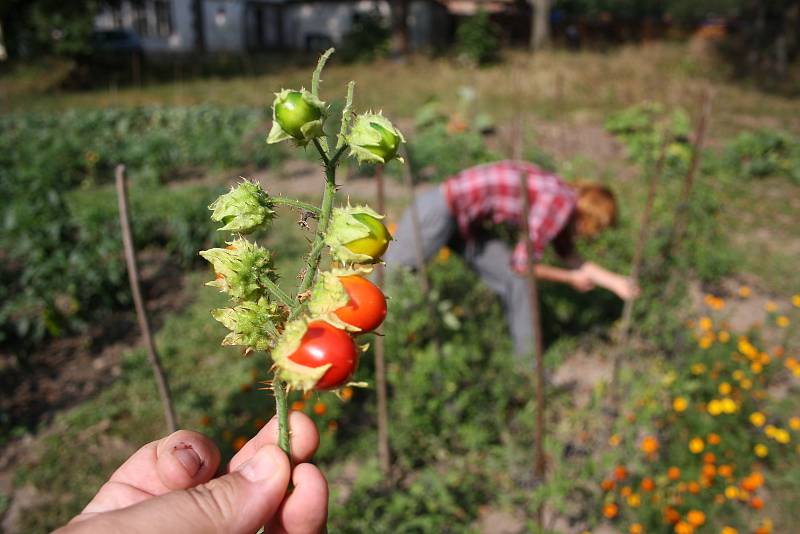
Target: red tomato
x=325 y=344
x=367 y=306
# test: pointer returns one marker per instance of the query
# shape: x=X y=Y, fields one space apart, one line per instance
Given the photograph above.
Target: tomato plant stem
x=283 y=417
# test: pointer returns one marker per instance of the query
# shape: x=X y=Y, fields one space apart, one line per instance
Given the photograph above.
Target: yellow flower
x=698 y=369
x=796 y=300
x=764 y=358
x=758 y=419
x=744 y=292
x=738 y=374
x=679 y=404
x=782 y=321
x=705 y=342
x=724 y=389
x=724 y=336
x=705 y=323
x=794 y=423
x=747 y=348
x=731 y=492
x=770 y=306
x=782 y=436
x=636 y=528
x=761 y=450
x=770 y=431
x=696 y=445
x=634 y=500
x=443 y=255
x=728 y=405
x=614 y=440
x=728 y=530
x=746 y=384
x=714 y=407
x=756 y=367
x=683 y=528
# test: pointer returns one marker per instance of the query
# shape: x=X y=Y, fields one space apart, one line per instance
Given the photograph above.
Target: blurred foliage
x=367 y=39
x=763 y=153
x=62 y=262
x=478 y=39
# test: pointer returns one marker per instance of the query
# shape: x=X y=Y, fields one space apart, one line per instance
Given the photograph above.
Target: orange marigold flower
x=607 y=485
x=761 y=450
x=728 y=530
x=610 y=510
x=320 y=408
x=683 y=528
x=634 y=500
x=696 y=518
x=298 y=406
x=649 y=445
x=620 y=472
x=709 y=470
x=679 y=404
x=709 y=458
x=693 y=487
x=744 y=292
x=782 y=321
x=648 y=484
x=636 y=528
x=673 y=473
x=794 y=423
x=725 y=470
x=346 y=393
x=627 y=490
x=671 y=515
x=756 y=503
x=713 y=439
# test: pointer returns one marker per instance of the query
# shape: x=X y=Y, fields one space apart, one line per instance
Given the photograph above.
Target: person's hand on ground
x=626 y=288
x=169 y=486
x=581 y=280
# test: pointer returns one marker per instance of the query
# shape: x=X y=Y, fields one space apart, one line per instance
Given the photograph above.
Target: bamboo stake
x=384 y=455
x=138 y=302
x=408 y=177
x=644 y=232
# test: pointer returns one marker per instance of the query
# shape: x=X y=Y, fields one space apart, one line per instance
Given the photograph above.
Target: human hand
x=169 y=486
x=626 y=288
x=581 y=280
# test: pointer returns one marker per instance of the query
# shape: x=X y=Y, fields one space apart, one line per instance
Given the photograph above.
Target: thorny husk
x=344 y=228
x=243 y=209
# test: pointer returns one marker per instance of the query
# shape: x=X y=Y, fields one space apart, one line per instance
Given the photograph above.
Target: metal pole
x=138 y=302
x=384 y=456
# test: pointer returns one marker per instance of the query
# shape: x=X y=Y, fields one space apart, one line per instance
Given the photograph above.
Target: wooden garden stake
x=408 y=177
x=384 y=457
x=644 y=231
x=682 y=213
x=138 y=302
x=539 y=463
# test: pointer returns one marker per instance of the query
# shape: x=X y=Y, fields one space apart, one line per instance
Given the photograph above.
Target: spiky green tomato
x=375 y=243
x=293 y=111
x=389 y=142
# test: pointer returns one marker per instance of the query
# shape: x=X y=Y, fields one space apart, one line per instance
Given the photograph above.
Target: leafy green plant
x=762 y=153
x=478 y=40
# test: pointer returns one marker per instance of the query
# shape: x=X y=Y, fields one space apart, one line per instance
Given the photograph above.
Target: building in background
x=239 y=26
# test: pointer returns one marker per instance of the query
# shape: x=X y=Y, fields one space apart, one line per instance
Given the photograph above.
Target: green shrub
x=477 y=39
x=762 y=153
x=367 y=39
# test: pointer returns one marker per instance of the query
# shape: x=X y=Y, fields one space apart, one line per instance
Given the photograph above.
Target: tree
x=540 y=26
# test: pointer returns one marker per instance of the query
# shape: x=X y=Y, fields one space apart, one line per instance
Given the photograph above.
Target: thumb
x=240 y=502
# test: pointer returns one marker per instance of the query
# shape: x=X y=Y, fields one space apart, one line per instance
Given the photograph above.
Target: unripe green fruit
x=293 y=112
x=374 y=244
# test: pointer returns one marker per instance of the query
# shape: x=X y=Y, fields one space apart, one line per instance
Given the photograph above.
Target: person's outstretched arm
x=169 y=485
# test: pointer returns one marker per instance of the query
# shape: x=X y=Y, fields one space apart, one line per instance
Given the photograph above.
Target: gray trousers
x=489 y=257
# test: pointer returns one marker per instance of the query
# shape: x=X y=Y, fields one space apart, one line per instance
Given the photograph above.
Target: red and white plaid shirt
x=491 y=192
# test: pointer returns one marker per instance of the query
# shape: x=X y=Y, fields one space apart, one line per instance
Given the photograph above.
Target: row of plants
x=60 y=237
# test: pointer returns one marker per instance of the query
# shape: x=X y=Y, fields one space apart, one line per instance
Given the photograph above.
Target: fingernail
x=188 y=458
x=262 y=466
